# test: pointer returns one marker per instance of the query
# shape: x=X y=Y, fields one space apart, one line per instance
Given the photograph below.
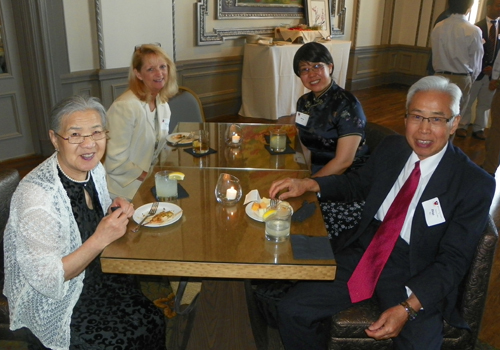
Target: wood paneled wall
x=217 y=81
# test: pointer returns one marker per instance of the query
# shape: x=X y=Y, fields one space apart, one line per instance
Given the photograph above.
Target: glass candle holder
x=228 y=190
x=234 y=136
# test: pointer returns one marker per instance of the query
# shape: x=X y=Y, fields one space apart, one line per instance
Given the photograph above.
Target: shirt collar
x=428 y=165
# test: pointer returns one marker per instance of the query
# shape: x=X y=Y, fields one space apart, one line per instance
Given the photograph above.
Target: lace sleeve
x=43 y=238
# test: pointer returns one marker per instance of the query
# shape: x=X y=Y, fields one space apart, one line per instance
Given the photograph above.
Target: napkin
x=306 y=210
x=267 y=138
x=252 y=196
x=190 y=151
x=288 y=150
x=181 y=192
x=311 y=248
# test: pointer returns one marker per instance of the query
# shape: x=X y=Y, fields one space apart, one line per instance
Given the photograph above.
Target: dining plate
x=177 y=138
x=163 y=206
x=253 y=215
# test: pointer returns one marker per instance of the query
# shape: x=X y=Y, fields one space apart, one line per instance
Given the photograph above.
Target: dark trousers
x=304 y=312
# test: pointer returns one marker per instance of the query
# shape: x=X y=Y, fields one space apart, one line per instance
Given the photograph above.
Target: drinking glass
x=277 y=140
x=201 y=144
x=166 y=189
x=278 y=224
x=228 y=190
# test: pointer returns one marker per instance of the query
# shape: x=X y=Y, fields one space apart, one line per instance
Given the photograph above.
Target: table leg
x=222 y=318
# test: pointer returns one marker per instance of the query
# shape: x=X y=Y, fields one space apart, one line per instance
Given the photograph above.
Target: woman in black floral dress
x=61 y=219
x=331 y=125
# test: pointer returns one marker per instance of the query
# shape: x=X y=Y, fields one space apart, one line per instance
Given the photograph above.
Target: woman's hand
x=125 y=205
x=294 y=187
x=111 y=227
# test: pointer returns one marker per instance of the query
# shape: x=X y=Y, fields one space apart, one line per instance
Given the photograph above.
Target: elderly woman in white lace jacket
x=50 y=243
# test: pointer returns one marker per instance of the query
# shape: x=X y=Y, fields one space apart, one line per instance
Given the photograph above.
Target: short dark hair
x=311 y=52
x=460 y=6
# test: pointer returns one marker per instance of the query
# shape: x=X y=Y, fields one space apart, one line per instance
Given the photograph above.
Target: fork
x=151 y=212
x=273 y=203
x=179 y=140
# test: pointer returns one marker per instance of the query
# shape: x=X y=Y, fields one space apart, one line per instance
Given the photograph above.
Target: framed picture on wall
x=249 y=9
x=318 y=14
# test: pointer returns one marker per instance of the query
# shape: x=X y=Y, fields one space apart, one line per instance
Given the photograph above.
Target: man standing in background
x=457 y=48
x=480 y=88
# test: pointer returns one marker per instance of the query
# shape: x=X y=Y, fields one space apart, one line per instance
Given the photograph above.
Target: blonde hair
x=138 y=87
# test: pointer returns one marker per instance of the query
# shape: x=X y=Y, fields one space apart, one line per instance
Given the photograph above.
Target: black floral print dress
x=112 y=312
x=334 y=114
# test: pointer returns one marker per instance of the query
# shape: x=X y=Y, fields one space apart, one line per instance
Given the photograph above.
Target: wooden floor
x=384 y=105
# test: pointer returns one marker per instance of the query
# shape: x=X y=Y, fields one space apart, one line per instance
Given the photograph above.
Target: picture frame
x=247 y=9
x=338 y=17
x=318 y=13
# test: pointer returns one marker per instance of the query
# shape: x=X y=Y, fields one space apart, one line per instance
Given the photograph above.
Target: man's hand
x=493 y=85
x=389 y=324
x=294 y=187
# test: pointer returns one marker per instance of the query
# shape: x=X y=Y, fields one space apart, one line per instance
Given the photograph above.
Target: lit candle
x=231 y=193
x=236 y=138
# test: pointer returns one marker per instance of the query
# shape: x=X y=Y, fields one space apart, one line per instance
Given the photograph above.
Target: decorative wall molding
x=218 y=36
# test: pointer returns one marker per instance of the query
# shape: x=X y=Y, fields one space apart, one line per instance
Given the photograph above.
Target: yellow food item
x=160 y=218
x=268 y=213
x=255 y=206
x=176 y=175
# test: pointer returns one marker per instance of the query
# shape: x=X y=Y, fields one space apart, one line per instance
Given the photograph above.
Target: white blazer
x=132 y=137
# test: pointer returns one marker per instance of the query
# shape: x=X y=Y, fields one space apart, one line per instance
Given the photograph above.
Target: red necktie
x=491 y=43
x=362 y=283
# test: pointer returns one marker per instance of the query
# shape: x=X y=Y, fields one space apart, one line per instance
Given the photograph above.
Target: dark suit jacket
x=440 y=255
x=484 y=29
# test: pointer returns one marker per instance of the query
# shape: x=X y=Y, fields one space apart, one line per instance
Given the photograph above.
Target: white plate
x=253 y=215
x=173 y=138
x=163 y=206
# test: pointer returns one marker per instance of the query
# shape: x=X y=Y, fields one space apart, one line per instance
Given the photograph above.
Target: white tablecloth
x=270 y=88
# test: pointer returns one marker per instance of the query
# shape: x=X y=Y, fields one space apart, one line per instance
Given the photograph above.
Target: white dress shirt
x=427 y=167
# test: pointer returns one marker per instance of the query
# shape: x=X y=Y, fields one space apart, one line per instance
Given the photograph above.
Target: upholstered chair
x=347 y=330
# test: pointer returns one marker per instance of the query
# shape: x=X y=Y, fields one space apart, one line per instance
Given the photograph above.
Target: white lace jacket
x=40 y=231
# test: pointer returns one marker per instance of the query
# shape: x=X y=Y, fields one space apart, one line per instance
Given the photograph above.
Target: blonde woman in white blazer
x=138 y=120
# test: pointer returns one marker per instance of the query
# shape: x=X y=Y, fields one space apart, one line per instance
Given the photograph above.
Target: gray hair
x=440 y=84
x=72 y=104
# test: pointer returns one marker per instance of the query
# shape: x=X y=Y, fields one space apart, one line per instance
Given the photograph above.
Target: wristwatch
x=412 y=314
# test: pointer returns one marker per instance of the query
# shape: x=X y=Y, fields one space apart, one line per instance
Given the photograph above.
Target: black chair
x=374 y=133
x=347 y=332
x=9 y=179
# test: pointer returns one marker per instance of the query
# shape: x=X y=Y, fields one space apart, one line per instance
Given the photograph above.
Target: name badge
x=433 y=213
x=301 y=118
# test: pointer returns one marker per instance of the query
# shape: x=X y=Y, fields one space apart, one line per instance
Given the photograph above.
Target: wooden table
x=269 y=87
x=251 y=154
x=222 y=245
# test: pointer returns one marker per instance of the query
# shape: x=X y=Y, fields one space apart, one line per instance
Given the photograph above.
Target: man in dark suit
x=480 y=88
x=418 y=285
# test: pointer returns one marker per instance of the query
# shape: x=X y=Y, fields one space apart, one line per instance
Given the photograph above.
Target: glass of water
x=166 y=188
x=278 y=224
x=277 y=140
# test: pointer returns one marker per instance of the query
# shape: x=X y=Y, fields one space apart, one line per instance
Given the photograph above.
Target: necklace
x=70 y=178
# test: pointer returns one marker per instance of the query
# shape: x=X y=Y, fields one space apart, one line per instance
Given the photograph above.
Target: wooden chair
x=186 y=107
x=9 y=179
x=347 y=330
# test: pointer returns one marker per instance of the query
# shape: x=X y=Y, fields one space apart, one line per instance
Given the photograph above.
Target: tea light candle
x=231 y=193
x=236 y=138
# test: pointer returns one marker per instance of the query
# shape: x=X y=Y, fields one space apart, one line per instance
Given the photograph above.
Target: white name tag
x=301 y=118
x=433 y=213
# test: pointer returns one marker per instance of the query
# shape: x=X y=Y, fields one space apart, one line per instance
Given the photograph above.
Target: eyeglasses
x=139 y=47
x=77 y=138
x=315 y=68
x=435 y=121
